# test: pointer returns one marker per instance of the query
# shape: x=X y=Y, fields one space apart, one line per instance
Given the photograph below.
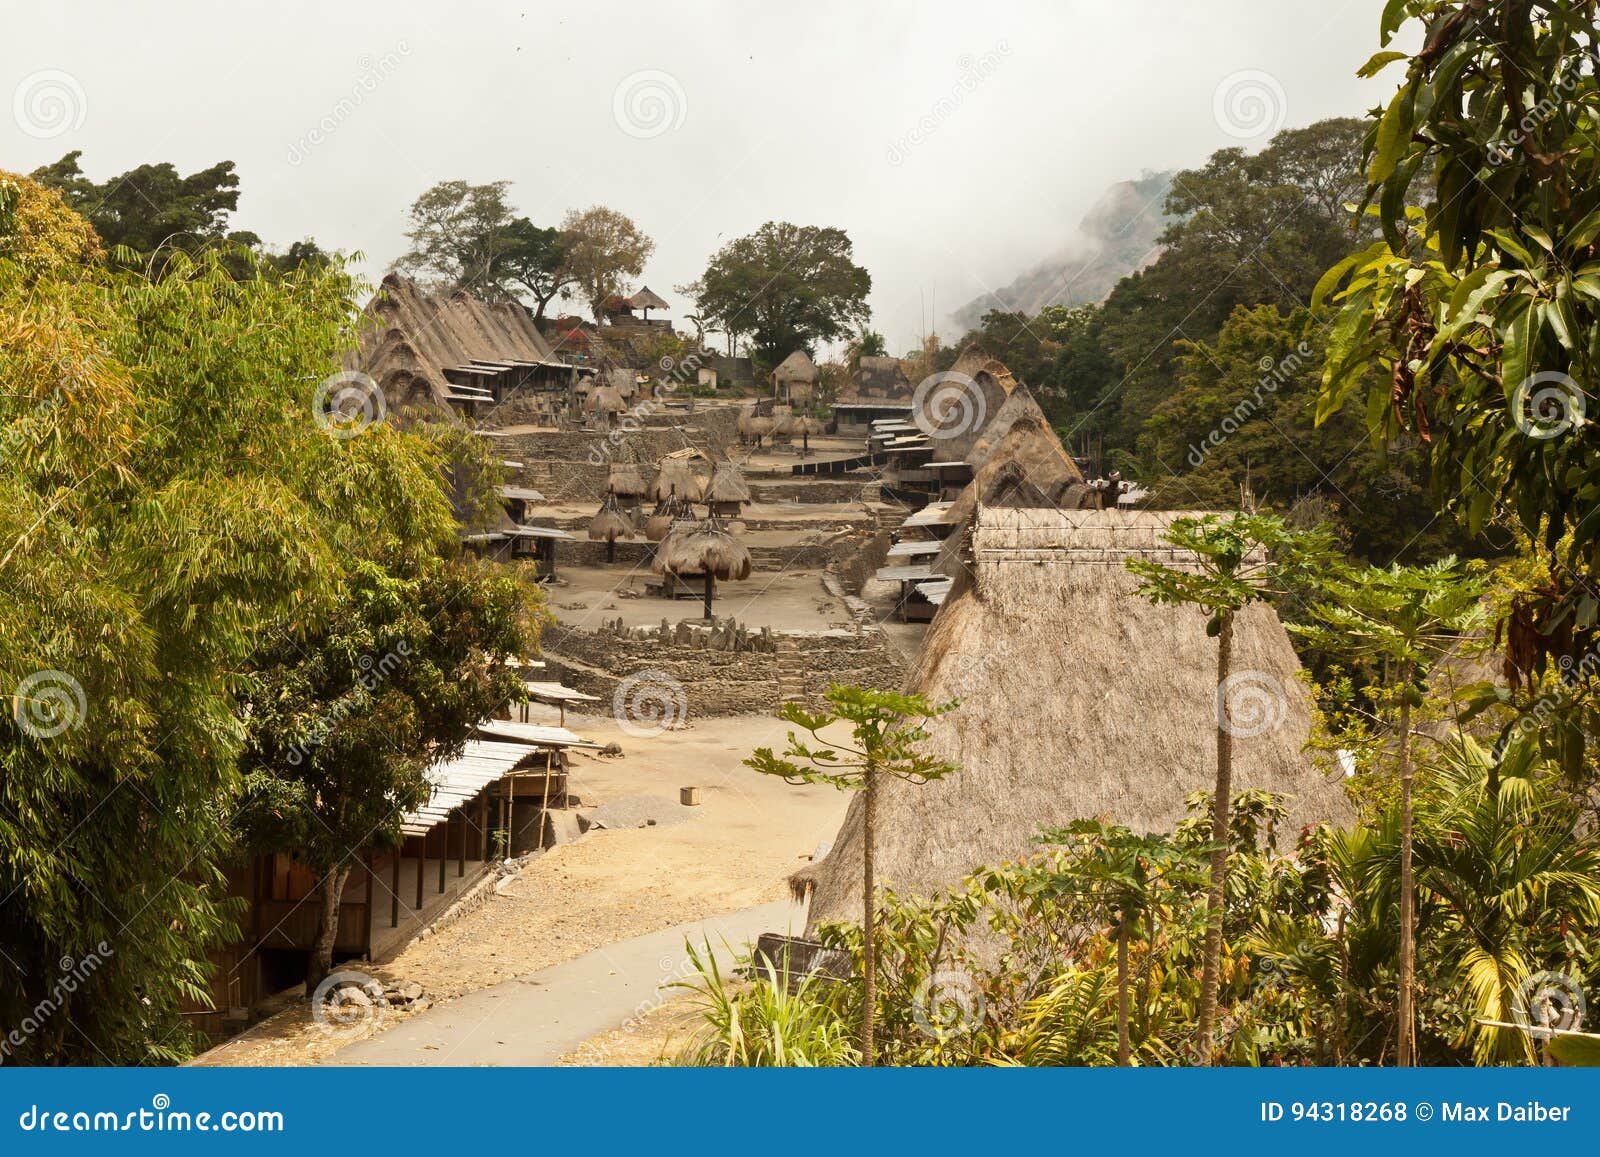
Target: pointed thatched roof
x=626 y=480
x=610 y=522
x=604 y=400
x=797 y=367
x=727 y=484
x=647 y=299
x=676 y=477
x=754 y=424
x=409 y=338
x=1078 y=699
x=703 y=548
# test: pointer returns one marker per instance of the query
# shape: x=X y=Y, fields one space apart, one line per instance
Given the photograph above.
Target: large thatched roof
x=410 y=337
x=702 y=548
x=647 y=298
x=1078 y=699
x=797 y=367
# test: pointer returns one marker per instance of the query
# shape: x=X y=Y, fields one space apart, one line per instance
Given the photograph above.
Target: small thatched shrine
x=727 y=493
x=754 y=425
x=1079 y=699
x=627 y=482
x=796 y=378
x=703 y=551
x=676 y=478
x=610 y=523
x=605 y=404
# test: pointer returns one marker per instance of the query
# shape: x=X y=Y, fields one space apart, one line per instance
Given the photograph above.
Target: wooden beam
x=444 y=851
x=422 y=863
x=461 y=848
x=394 y=892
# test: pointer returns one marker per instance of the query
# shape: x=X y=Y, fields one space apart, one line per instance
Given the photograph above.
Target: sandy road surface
x=610 y=886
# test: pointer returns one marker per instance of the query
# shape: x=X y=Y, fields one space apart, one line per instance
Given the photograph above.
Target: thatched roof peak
x=797 y=367
x=727 y=484
x=646 y=298
x=1079 y=699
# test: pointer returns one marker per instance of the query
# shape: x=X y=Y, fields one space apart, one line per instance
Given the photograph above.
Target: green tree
x=1481 y=311
x=1126 y=874
x=460 y=234
x=886 y=731
x=787 y=286
x=535 y=260
x=605 y=252
x=1239 y=560
x=1406 y=618
x=168 y=501
x=343 y=721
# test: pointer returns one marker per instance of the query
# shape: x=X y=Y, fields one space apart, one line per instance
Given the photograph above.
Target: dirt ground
x=750 y=832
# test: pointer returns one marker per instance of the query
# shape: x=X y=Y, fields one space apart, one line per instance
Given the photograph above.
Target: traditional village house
x=726 y=494
x=1079 y=700
x=795 y=380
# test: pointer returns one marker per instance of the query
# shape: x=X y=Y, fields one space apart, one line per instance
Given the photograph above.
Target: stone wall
x=690 y=680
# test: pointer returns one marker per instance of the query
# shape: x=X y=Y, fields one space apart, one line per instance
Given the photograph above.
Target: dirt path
x=750 y=832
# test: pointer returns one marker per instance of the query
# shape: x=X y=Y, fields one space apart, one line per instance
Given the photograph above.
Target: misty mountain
x=1115 y=238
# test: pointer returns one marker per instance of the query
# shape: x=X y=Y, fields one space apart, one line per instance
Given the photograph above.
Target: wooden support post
x=461 y=848
x=422 y=863
x=372 y=903
x=444 y=851
x=394 y=892
x=483 y=826
x=511 y=812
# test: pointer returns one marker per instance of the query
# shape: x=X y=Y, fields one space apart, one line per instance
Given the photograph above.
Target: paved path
x=536 y=1019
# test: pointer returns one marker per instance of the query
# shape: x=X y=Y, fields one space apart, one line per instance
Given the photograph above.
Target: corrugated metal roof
x=527 y=494
x=556 y=693
x=903 y=574
x=912 y=549
x=935 y=590
x=456 y=781
x=933 y=514
x=504 y=732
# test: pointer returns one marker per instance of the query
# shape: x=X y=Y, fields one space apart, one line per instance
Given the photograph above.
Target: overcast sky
x=957 y=143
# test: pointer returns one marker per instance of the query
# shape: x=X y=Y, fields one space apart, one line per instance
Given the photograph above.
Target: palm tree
x=1234 y=562
x=1407 y=618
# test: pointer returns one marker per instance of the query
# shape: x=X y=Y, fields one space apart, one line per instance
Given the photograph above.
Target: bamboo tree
x=1234 y=561
x=886 y=731
x=1404 y=619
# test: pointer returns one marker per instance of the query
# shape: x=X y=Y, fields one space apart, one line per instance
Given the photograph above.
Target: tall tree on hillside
x=459 y=233
x=1242 y=559
x=1406 y=618
x=151 y=205
x=344 y=721
x=160 y=514
x=605 y=252
x=787 y=286
x=1481 y=312
x=885 y=736
x=535 y=261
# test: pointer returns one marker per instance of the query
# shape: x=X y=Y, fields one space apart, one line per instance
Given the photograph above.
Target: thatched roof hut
x=753 y=425
x=604 y=401
x=1078 y=699
x=676 y=476
x=796 y=377
x=727 y=490
x=610 y=522
x=667 y=512
x=626 y=480
x=703 y=549
x=646 y=300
